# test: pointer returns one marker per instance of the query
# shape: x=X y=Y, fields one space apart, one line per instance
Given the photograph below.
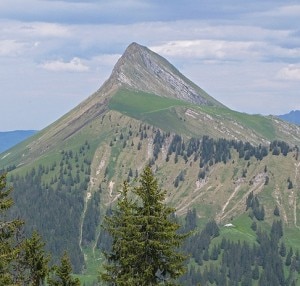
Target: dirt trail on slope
x=86 y=199
x=278 y=199
x=258 y=184
x=220 y=215
x=185 y=203
x=91 y=185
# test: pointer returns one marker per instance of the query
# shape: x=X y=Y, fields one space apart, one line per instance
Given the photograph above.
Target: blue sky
x=54 y=54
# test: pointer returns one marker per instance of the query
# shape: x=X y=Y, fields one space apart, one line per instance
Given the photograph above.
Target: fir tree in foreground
x=9 y=248
x=62 y=274
x=34 y=260
x=145 y=239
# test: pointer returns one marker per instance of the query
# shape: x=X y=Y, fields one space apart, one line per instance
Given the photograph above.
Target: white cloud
x=75 y=65
x=11 y=48
x=234 y=52
x=106 y=60
x=291 y=72
x=226 y=50
x=208 y=49
x=44 y=30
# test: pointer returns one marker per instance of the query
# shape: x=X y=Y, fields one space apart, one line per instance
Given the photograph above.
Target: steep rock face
x=141 y=69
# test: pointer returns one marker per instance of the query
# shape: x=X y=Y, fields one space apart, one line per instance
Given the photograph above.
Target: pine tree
x=289 y=257
x=62 y=274
x=255 y=273
x=120 y=226
x=282 y=249
x=276 y=211
x=145 y=239
x=9 y=247
x=35 y=260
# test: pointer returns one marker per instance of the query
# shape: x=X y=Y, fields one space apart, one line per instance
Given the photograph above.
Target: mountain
x=292 y=117
x=10 y=138
x=208 y=158
x=145 y=86
x=141 y=69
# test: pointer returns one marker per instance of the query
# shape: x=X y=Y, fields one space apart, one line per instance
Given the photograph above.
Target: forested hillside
x=218 y=167
x=218 y=257
x=70 y=211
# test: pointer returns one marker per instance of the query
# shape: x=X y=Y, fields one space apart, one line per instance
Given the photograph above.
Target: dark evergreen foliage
x=34 y=260
x=91 y=219
x=23 y=261
x=144 y=238
x=290 y=184
x=278 y=147
x=241 y=263
x=190 y=221
x=9 y=229
x=62 y=196
x=179 y=178
x=282 y=249
x=104 y=242
x=257 y=210
x=62 y=275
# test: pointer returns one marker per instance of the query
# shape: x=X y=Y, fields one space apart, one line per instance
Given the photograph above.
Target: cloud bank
x=75 y=65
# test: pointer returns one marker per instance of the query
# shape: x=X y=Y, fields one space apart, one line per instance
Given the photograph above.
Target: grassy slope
x=170 y=115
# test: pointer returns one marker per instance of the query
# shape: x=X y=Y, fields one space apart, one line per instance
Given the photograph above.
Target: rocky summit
x=141 y=69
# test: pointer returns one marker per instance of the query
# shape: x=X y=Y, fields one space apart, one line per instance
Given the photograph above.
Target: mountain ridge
x=135 y=58
x=292 y=117
x=207 y=156
x=139 y=71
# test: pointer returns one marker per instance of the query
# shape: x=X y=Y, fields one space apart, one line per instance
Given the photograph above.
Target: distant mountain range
x=10 y=138
x=292 y=117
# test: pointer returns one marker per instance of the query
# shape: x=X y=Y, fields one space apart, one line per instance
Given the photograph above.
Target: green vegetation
x=171 y=115
x=8 y=229
x=24 y=261
x=33 y=258
x=240 y=230
x=138 y=103
x=67 y=177
x=144 y=238
x=238 y=255
x=61 y=275
x=59 y=185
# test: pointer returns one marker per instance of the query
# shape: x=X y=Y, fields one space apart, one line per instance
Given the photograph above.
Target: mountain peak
x=139 y=68
x=134 y=47
x=292 y=117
